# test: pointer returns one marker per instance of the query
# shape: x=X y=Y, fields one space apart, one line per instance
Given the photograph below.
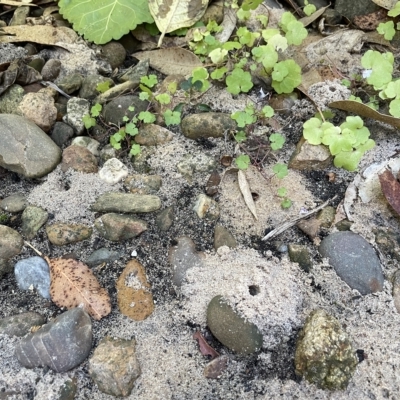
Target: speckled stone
x=61 y=234
x=324 y=355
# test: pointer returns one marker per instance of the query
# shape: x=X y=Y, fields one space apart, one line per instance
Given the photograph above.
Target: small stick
x=33 y=248
x=287 y=225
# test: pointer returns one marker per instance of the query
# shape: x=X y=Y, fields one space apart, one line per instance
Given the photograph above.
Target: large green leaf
x=100 y=21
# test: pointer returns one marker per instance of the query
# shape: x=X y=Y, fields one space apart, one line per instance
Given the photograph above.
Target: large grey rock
x=232 y=330
x=114 y=366
x=126 y=203
x=354 y=260
x=25 y=148
x=60 y=345
x=324 y=355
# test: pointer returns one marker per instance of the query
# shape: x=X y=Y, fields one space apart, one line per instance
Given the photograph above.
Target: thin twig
x=33 y=248
x=289 y=224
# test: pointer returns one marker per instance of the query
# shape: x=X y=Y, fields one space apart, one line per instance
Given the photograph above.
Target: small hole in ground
x=254 y=290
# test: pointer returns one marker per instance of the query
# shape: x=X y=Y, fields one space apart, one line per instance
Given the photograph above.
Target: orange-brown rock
x=134 y=292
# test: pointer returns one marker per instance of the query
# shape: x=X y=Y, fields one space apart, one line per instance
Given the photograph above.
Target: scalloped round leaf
x=101 y=21
x=170 y=15
x=73 y=283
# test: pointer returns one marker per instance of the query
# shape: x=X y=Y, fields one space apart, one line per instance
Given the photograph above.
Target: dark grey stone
x=100 y=256
x=165 y=219
x=33 y=271
x=116 y=109
x=60 y=345
x=61 y=133
x=354 y=260
x=232 y=330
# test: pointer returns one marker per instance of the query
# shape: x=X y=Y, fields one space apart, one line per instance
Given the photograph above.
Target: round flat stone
x=354 y=260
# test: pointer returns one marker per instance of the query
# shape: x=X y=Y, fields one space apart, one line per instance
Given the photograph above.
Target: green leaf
x=286 y=203
x=242 y=161
x=309 y=9
x=147 y=117
x=240 y=136
x=348 y=160
x=282 y=192
x=286 y=18
x=268 y=111
x=131 y=129
x=115 y=143
x=280 y=170
x=172 y=117
x=219 y=73
x=131 y=108
x=238 y=81
x=392 y=90
x=277 y=141
x=266 y=55
x=144 y=96
x=345 y=82
x=312 y=131
x=386 y=29
x=88 y=121
x=286 y=76
x=103 y=86
x=245 y=117
x=251 y=4
x=382 y=68
x=218 y=56
x=163 y=98
x=135 y=150
x=246 y=37
x=95 y=110
x=296 y=33
x=149 y=81
x=263 y=19
x=395 y=11
x=200 y=74
x=101 y=21
x=125 y=118
x=394 y=108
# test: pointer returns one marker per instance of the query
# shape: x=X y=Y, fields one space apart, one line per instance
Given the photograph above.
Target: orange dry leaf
x=391 y=189
x=73 y=284
x=205 y=348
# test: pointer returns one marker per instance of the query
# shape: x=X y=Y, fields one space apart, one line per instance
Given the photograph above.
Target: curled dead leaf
x=205 y=348
x=246 y=192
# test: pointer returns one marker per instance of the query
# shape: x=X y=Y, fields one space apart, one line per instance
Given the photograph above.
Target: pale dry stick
x=33 y=248
x=289 y=224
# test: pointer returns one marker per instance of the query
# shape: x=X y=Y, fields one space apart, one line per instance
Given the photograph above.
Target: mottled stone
x=76 y=109
x=326 y=216
x=311 y=227
x=114 y=366
x=25 y=148
x=182 y=257
x=61 y=344
x=152 y=135
x=206 y=207
x=114 y=53
x=33 y=218
x=165 y=219
x=143 y=184
x=113 y=171
x=101 y=256
x=232 y=330
x=88 y=143
x=14 y=203
x=10 y=99
x=134 y=292
x=300 y=254
x=11 y=242
x=126 y=203
x=88 y=89
x=70 y=83
x=396 y=290
x=310 y=157
x=222 y=237
x=79 y=159
x=39 y=108
x=61 y=234
x=116 y=227
x=205 y=125
x=117 y=109
x=200 y=162
x=354 y=260
x=51 y=69
x=324 y=355
x=20 y=324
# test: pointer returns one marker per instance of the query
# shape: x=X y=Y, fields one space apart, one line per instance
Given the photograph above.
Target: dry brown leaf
x=391 y=189
x=170 y=15
x=307 y=20
x=205 y=348
x=42 y=34
x=73 y=284
x=246 y=192
x=365 y=111
x=370 y=22
x=171 y=61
